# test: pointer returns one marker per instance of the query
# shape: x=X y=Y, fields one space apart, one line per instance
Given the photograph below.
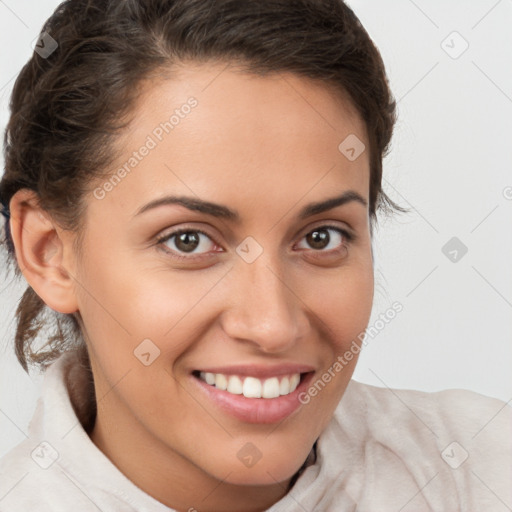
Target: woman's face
x=254 y=299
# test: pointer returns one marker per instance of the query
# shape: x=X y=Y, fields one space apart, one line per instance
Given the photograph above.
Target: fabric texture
x=383 y=450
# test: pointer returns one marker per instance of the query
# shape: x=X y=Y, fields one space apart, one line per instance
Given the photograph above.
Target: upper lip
x=253 y=370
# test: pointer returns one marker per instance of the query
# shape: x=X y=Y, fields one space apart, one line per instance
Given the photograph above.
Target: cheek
x=343 y=304
x=343 y=301
x=354 y=311
x=123 y=302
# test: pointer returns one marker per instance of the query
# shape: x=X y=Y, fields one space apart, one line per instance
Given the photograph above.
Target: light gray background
x=450 y=162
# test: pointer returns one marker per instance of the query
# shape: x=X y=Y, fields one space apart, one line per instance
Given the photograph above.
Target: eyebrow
x=223 y=212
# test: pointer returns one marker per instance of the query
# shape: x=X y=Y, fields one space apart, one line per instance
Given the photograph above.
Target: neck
x=174 y=481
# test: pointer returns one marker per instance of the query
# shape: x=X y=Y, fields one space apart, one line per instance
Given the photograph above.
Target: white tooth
x=209 y=378
x=294 y=381
x=202 y=376
x=234 y=385
x=220 y=381
x=252 y=387
x=270 y=388
x=284 y=387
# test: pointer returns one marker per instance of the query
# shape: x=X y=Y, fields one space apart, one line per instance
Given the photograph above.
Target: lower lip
x=255 y=410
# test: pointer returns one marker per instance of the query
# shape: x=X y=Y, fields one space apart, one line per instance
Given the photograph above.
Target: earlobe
x=40 y=250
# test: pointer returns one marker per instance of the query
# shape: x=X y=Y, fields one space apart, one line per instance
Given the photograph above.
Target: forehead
x=214 y=129
x=228 y=92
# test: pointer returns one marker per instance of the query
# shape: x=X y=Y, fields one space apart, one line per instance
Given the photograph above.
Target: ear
x=43 y=252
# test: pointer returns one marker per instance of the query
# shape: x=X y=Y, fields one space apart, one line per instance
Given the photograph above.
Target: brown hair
x=67 y=106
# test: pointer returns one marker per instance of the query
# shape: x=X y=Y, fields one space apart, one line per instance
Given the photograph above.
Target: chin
x=269 y=472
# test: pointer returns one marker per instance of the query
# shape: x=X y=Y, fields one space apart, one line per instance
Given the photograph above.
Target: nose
x=266 y=312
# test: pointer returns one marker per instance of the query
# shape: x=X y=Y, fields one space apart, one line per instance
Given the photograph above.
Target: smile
x=253 y=387
x=254 y=394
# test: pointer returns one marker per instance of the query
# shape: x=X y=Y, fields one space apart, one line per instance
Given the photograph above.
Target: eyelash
x=348 y=237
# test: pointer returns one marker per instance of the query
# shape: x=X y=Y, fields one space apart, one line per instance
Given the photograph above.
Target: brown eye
x=186 y=241
x=328 y=238
x=318 y=239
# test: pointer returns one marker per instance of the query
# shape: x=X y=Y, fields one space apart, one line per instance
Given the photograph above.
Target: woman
x=216 y=377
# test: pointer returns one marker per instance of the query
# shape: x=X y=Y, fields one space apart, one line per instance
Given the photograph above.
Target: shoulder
x=29 y=478
x=31 y=473
x=58 y=468
x=457 y=442
x=449 y=402
x=452 y=411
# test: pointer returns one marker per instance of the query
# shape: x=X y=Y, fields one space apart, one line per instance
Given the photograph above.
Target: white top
x=384 y=450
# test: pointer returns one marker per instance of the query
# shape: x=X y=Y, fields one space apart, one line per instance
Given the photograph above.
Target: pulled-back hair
x=66 y=107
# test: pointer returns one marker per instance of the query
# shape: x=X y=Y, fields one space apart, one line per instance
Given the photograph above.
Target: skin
x=264 y=146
